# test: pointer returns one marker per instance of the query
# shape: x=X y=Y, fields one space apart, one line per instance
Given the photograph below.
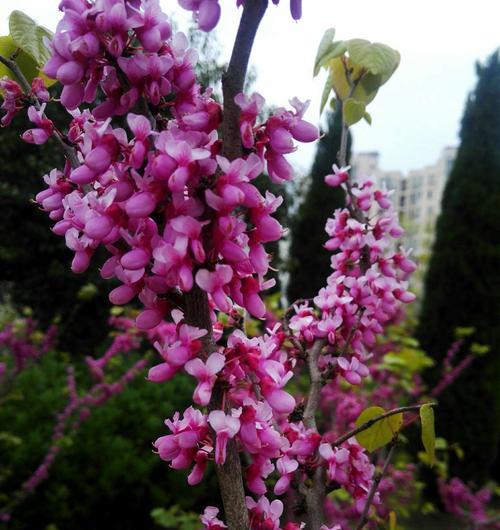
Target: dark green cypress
x=309 y=263
x=462 y=286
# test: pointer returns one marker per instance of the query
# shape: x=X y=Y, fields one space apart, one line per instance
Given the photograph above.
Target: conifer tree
x=462 y=286
x=309 y=261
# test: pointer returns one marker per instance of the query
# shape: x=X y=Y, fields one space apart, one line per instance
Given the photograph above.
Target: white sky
x=415 y=115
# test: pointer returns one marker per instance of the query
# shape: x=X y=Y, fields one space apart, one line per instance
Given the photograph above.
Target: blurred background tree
x=462 y=286
x=309 y=261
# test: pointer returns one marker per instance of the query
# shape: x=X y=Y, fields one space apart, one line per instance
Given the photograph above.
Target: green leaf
x=392 y=520
x=381 y=432
x=325 y=94
x=336 y=49
x=377 y=58
x=428 y=432
x=28 y=36
x=324 y=46
x=353 y=111
x=479 y=349
x=367 y=117
x=24 y=61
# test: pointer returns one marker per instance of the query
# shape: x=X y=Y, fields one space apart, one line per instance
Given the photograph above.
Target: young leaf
x=336 y=49
x=381 y=432
x=428 y=432
x=28 y=36
x=24 y=61
x=353 y=111
x=392 y=520
x=324 y=45
x=377 y=58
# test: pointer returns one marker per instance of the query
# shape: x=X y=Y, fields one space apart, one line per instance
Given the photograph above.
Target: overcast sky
x=415 y=115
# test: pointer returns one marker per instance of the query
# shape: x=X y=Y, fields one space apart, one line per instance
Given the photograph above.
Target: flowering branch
x=375 y=484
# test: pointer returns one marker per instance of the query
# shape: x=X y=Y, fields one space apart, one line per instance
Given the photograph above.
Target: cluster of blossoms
x=14 y=99
x=178 y=218
x=367 y=284
x=468 y=506
x=22 y=343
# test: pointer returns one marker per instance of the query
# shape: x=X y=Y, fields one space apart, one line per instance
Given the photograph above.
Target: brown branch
x=234 y=78
x=69 y=152
x=376 y=481
x=372 y=421
x=316 y=385
x=315 y=493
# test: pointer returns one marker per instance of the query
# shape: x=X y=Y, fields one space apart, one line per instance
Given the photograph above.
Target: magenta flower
x=206 y=374
x=214 y=282
x=225 y=427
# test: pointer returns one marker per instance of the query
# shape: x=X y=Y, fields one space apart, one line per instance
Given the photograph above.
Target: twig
x=315 y=494
x=316 y=384
x=69 y=151
x=372 y=421
x=376 y=481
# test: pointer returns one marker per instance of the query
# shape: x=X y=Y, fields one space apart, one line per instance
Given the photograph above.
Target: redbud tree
x=160 y=176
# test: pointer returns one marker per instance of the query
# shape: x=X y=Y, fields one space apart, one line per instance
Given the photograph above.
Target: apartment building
x=417 y=194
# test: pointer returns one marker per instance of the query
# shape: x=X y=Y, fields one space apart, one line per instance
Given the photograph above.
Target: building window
x=416 y=181
x=429 y=194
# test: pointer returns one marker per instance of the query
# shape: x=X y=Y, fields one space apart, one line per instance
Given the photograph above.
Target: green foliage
x=381 y=432
x=26 y=44
x=176 y=518
x=106 y=475
x=428 y=432
x=309 y=264
x=29 y=36
x=462 y=287
x=356 y=69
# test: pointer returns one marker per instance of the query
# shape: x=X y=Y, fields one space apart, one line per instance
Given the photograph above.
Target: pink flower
x=209 y=519
x=225 y=427
x=214 y=282
x=206 y=374
x=352 y=371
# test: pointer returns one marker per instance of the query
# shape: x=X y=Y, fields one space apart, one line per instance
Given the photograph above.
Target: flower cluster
x=178 y=218
x=23 y=344
x=367 y=284
x=14 y=99
x=466 y=505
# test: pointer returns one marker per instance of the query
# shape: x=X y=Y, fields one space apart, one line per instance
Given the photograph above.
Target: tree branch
x=376 y=481
x=197 y=309
x=234 y=79
x=69 y=152
x=369 y=423
x=315 y=493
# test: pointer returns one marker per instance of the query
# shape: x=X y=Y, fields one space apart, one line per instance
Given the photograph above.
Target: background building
x=417 y=194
